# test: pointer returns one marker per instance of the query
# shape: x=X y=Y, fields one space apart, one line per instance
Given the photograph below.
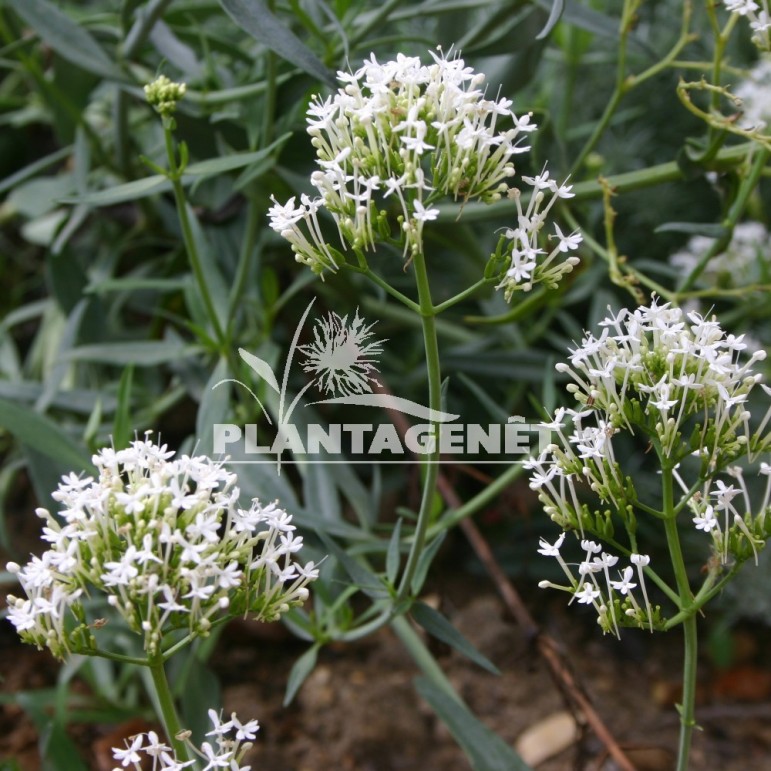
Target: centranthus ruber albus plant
x=684 y=390
x=166 y=543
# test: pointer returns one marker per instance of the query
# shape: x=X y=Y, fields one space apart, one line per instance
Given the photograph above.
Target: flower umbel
x=395 y=138
x=679 y=384
x=758 y=16
x=167 y=543
x=231 y=740
x=163 y=94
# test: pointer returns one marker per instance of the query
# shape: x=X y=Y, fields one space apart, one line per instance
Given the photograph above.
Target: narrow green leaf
x=393 y=556
x=214 y=408
x=71 y=41
x=43 y=435
x=299 y=672
x=122 y=428
x=485 y=750
x=438 y=626
x=363 y=578
x=142 y=353
x=129 y=191
x=10 y=183
x=320 y=492
x=424 y=563
x=557 y=7
x=213 y=166
x=254 y=17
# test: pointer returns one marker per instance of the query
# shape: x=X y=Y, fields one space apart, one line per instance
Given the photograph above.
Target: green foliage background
x=104 y=332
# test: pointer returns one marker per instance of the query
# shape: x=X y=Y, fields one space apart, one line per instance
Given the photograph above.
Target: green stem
x=463 y=295
x=431 y=465
x=365 y=270
x=175 y=176
x=480 y=500
x=687 y=720
x=422 y=656
x=690 y=639
x=169 y=716
x=120 y=657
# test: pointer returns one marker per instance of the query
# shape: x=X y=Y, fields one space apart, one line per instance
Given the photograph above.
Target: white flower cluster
x=739 y=527
x=166 y=541
x=757 y=13
x=614 y=600
x=755 y=94
x=232 y=740
x=658 y=368
x=526 y=265
x=676 y=381
x=745 y=261
x=409 y=133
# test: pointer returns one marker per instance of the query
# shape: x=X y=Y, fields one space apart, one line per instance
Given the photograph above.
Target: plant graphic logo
x=342 y=357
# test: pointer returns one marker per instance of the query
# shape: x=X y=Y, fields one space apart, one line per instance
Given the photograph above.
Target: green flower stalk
x=682 y=386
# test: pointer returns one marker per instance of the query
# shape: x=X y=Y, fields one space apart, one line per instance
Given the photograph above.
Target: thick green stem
x=687 y=719
x=431 y=462
x=168 y=710
x=687 y=707
x=422 y=656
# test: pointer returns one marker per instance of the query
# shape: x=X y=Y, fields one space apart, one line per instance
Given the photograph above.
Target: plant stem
x=690 y=639
x=430 y=465
x=687 y=720
x=410 y=639
x=169 y=716
x=191 y=247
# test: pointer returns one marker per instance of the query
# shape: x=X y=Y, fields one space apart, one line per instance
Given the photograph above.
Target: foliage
x=146 y=290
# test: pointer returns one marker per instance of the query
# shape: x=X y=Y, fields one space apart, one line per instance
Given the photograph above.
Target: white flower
x=587 y=594
x=226 y=752
x=407 y=129
x=625 y=585
x=130 y=754
x=165 y=541
x=706 y=521
x=551 y=550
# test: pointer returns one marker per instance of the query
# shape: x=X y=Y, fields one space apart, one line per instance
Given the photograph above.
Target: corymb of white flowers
x=676 y=382
x=230 y=740
x=167 y=543
x=409 y=133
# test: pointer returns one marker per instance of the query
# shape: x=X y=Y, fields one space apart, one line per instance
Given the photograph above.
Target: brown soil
x=359 y=711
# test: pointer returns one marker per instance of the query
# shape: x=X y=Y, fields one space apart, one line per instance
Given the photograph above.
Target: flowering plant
x=677 y=383
x=168 y=545
x=411 y=133
x=231 y=740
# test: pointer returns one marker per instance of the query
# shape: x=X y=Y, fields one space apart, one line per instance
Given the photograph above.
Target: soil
x=358 y=710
